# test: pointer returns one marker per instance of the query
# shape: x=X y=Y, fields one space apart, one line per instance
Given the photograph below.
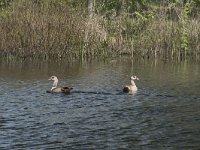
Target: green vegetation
x=107 y=28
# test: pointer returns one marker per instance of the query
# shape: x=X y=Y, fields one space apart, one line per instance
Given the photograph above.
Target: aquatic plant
x=44 y=29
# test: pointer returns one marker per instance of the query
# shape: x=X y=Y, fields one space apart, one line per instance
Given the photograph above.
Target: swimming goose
x=132 y=87
x=56 y=89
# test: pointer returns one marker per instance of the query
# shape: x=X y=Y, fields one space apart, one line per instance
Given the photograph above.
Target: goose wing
x=66 y=89
x=126 y=89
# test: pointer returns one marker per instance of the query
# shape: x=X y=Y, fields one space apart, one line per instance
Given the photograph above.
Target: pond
x=163 y=114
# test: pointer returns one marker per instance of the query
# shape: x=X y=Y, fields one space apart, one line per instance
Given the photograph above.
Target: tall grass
x=44 y=29
x=41 y=30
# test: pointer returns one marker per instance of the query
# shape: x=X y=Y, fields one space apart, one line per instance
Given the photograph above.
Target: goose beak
x=49 y=79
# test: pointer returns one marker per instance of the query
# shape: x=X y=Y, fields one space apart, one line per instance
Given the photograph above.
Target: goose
x=132 y=87
x=56 y=89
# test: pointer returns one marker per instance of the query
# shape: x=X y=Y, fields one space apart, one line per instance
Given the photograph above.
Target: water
x=163 y=114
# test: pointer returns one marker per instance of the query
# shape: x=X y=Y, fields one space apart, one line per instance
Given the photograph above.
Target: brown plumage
x=56 y=89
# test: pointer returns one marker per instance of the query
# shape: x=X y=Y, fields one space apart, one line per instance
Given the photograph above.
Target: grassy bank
x=43 y=29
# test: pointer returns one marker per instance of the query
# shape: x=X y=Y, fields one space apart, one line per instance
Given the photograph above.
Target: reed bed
x=53 y=29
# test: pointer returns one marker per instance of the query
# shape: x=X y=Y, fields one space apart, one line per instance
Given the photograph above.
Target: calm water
x=163 y=114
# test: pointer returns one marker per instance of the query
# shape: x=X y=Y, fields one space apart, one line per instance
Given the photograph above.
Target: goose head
x=53 y=78
x=134 y=78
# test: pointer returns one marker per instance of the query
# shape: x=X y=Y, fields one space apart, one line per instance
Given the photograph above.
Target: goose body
x=132 y=87
x=56 y=89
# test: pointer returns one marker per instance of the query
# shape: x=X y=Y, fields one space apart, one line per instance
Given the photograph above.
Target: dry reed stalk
x=53 y=29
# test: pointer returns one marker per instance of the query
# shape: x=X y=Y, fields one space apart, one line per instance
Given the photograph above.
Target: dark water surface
x=163 y=114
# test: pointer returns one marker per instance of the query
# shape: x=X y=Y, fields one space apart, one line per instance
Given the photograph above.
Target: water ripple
x=159 y=116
